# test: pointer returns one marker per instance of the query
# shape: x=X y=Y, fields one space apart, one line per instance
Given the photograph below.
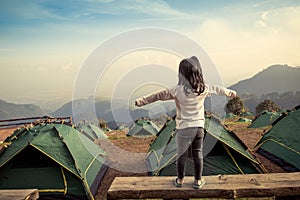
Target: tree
x=102 y=123
x=250 y=101
x=272 y=96
x=235 y=106
x=267 y=105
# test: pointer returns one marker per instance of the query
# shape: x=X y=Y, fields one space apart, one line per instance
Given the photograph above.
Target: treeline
x=286 y=100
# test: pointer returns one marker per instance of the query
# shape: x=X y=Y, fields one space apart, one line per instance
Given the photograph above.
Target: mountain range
x=277 y=82
x=116 y=114
x=276 y=78
x=10 y=110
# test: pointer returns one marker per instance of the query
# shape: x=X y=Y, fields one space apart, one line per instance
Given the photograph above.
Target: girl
x=189 y=95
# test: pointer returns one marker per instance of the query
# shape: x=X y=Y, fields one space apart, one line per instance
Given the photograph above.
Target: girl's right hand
x=137 y=103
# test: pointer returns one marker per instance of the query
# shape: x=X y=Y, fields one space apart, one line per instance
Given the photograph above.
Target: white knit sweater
x=190 y=108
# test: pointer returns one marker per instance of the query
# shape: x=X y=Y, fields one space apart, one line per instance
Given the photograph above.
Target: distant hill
x=276 y=78
x=11 y=110
x=111 y=114
x=279 y=83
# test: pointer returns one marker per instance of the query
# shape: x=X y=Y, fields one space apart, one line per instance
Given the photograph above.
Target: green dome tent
x=264 y=119
x=230 y=115
x=123 y=127
x=228 y=156
x=54 y=158
x=92 y=131
x=281 y=143
x=246 y=114
x=143 y=127
x=105 y=129
x=243 y=119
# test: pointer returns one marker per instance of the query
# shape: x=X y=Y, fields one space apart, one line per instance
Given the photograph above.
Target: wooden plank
x=161 y=187
x=226 y=186
x=26 y=194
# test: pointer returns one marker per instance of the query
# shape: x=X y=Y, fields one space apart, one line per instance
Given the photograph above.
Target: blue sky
x=44 y=42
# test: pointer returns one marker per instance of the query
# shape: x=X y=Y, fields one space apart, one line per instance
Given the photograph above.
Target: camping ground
x=140 y=145
x=124 y=164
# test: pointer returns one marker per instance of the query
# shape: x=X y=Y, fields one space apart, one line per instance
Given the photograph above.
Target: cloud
x=154 y=8
x=92 y=15
x=240 y=51
x=26 y=11
x=261 y=23
x=261 y=3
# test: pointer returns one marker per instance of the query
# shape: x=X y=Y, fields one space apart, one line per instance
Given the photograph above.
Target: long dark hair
x=190 y=76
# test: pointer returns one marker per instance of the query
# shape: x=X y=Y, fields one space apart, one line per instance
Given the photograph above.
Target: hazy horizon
x=44 y=43
x=52 y=103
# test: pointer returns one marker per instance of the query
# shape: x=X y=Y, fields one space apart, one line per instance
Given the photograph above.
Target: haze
x=44 y=43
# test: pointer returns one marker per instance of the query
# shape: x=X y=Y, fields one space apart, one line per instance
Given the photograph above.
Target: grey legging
x=184 y=139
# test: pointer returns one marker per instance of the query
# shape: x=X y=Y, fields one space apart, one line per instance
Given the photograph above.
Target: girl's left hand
x=232 y=94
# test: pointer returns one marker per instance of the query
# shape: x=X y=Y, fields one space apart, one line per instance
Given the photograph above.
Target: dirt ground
x=4 y=133
x=127 y=154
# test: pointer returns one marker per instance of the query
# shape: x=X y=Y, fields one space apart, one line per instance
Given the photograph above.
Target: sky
x=44 y=43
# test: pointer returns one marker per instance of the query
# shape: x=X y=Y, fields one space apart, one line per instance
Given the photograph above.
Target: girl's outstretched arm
x=160 y=95
x=220 y=90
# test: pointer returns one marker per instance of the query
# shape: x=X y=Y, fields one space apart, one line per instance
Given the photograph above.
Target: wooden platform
x=28 y=194
x=225 y=186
